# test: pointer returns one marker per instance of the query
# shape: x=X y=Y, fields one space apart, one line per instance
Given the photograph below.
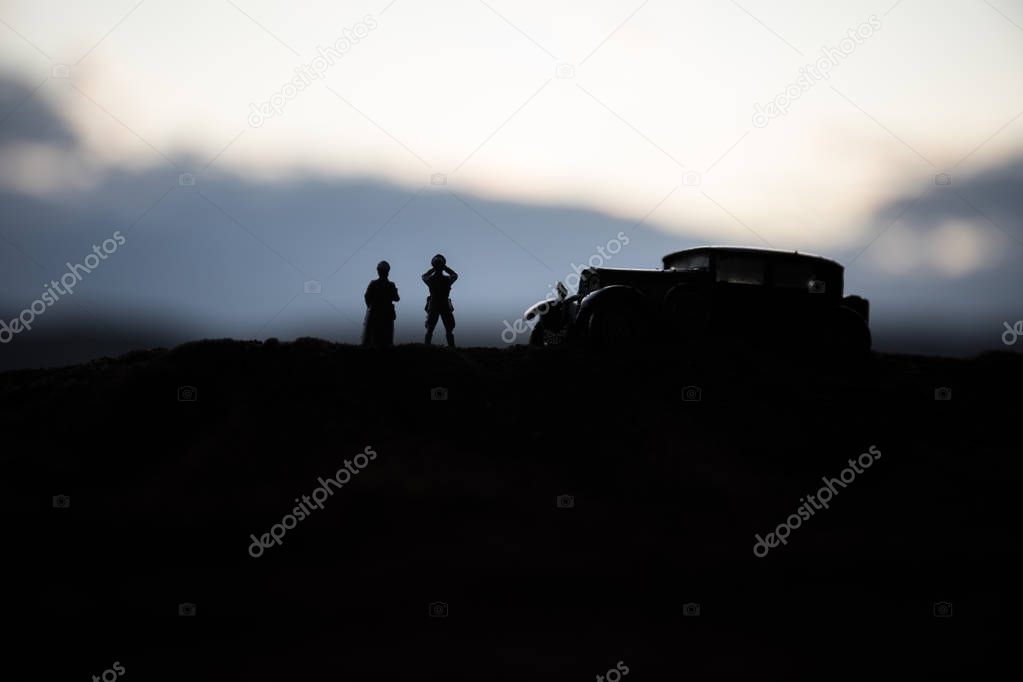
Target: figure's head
x=383 y=267
x=438 y=261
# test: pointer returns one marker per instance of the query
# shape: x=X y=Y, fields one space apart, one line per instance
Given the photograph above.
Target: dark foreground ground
x=460 y=507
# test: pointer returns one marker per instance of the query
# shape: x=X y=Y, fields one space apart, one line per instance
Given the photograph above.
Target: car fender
x=859 y=305
x=850 y=330
x=614 y=293
x=540 y=308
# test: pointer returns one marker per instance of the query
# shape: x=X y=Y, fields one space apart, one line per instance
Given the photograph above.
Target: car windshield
x=795 y=274
x=691 y=261
x=740 y=269
x=808 y=275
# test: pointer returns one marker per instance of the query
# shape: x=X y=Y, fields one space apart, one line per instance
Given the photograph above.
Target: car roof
x=770 y=253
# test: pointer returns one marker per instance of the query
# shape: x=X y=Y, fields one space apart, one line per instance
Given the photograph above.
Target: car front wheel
x=618 y=327
x=542 y=335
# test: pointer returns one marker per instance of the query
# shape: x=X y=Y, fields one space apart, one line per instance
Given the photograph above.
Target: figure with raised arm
x=439 y=279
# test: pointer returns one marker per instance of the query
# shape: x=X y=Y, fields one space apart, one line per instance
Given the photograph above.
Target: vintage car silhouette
x=764 y=296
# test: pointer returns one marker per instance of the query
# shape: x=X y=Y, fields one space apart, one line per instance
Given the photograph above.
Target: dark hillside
x=459 y=506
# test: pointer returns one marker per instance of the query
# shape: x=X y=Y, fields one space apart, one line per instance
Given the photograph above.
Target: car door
x=739 y=293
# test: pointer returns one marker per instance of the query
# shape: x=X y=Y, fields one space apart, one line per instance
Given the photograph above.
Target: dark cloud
x=993 y=196
x=26 y=116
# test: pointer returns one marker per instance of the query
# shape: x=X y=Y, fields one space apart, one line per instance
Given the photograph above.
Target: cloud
x=950 y=230
x=27 y=117
x=42 y=153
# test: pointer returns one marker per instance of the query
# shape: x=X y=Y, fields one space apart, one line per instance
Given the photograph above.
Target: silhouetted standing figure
x=380 y=297
x=438 y=304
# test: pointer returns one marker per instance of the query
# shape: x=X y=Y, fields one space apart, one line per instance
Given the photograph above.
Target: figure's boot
x=451 y=340
x=429 y=337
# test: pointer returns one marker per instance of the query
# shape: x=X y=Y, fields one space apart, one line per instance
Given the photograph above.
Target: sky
x=886 y=134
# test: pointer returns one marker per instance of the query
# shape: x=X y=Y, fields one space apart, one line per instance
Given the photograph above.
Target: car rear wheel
x=847 y=337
